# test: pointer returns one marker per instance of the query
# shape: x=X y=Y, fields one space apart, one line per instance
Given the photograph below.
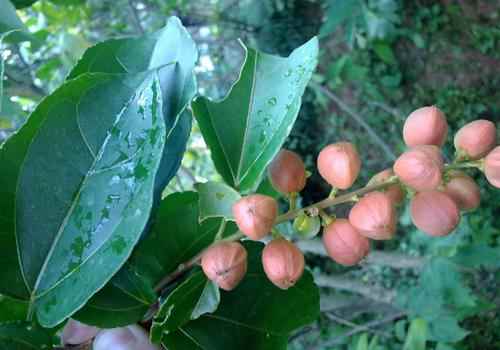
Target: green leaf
x=123 y=302
x=216 y=200
x=12 y=309
x=340 y=11
x=247 y=128
x=23 y=3
x=176 y=236
x=81 y=202
x=256 y=315
x=362 y=342
x=384 y=52
x=442 y=299
x=172 y=44
x=191 y=299
x=9 y=20
x=24 y=336
x=417 y=335
x=478 y=255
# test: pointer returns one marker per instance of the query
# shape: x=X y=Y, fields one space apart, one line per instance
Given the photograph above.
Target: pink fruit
x=463 y=190
x=476 y=139
x=339 y=164
x=283 y=263
x=420 y=168
x=395 y=192
x=492 y=167
x=76 y=333
x=287 y=172
x=425 y=126
x=225 y=263
x=374 y=216
x=434 y=213
x=344 y=244
x=255 y=215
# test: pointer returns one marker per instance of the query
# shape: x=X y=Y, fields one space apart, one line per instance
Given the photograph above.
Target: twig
x=381 y=258
x=372 y=324
x=135 y=16
x=343 y=321
x=359 y=119
x=394 y=112
x=376 y=293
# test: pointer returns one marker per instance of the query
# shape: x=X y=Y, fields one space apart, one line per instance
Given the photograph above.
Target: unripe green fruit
x=344 y=243
x=463 y=190
x=225 y=263
x=425 y=126
x=395 y=192
x=339 y=164
x=287 y=172
x=492 y=167
x=255 y=215
x=307 y=226
x=283 y=263
x=434 y=213
x=420 y=168
x=474 y=140
x=374 y=216
x=75 y=333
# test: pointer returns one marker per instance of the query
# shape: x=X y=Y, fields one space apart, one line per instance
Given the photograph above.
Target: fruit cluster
x=438 y=192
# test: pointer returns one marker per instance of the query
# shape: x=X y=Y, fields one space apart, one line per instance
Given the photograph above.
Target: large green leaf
x=124 y=301
x=191 y=299
x=256 y=315
x=80 y=175
x=247 y=128
x=12 y=309
x=172 y=44
x=24 y=336
x=9 y=20
x=118 y=302
x=23 y=3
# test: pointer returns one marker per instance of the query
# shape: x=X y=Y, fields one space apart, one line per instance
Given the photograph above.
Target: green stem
x=221 y=230
x=464 y=165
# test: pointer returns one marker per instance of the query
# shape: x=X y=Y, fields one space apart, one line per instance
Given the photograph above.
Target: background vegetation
x=379 y=60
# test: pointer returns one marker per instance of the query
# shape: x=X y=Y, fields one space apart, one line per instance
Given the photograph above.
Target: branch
x=359 y=119
x=343 y=321
x=369 y=325
x=376 y=293
x=135 y=16
x=389 y=259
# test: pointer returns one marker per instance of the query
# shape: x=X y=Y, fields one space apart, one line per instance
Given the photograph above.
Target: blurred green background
x=379 y=60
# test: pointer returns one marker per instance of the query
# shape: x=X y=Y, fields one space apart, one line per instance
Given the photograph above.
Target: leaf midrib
x=63 y=225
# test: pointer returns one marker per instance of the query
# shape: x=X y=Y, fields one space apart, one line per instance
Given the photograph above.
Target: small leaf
x=24 y=336
x=384 y=52
x=256 y=315
x=216 y=200
x=246 y=129
x=417 y=335
x=191 y=299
